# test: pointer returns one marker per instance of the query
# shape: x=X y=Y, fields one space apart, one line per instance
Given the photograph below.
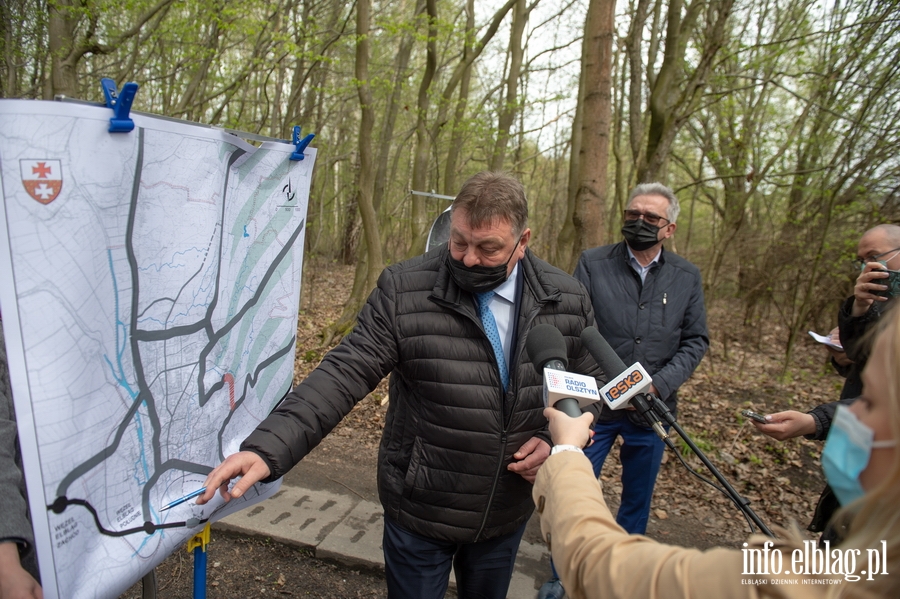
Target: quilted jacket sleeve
x=345 y=376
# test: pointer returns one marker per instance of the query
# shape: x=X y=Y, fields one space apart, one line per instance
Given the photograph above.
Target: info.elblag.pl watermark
x=811 y=560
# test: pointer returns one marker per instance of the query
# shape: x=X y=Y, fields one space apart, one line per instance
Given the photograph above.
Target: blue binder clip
x=120 y=104
x=300 y=143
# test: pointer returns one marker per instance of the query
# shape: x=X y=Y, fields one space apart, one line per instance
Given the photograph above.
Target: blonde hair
x=875 y=517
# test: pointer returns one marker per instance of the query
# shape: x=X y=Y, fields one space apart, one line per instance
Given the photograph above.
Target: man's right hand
x=868 y=285
x=787 y=425
x=245 y=464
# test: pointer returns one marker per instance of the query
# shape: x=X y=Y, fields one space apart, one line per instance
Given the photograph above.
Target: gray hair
x=658 y=189
x=891 y=232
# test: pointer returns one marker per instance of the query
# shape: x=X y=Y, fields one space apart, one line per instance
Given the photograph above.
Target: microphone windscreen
x=546 y=343
x=602 y=352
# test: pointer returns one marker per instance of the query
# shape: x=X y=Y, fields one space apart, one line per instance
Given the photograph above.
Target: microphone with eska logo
x=626 y=386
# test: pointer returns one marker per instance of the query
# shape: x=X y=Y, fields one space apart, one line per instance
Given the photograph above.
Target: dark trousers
x=418 y=567
x=641 y=455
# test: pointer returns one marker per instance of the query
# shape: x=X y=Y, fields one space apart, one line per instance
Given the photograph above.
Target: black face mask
x=640 y=235
x=478 y=279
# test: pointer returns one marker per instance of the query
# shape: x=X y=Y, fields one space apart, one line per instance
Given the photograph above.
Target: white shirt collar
x=639 y=268
x=508 y=289
x=634 y=260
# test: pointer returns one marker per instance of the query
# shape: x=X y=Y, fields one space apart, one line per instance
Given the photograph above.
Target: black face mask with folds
x=640 y=235
x=478 y=278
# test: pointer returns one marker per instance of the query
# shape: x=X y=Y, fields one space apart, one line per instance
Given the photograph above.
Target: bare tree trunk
x=634 y=51
x=67 y=49
x=352 y=225
x=593 y=162
x=672 y=102
x=564 y=252
x=63 y=77
x=390 y=119
x=366 y=183
x=509 y=107
x=366 y=176
x=451 y=178
x=620 y=186
x=418 y=214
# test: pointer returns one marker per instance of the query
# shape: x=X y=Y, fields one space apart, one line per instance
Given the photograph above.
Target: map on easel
x=151 y=284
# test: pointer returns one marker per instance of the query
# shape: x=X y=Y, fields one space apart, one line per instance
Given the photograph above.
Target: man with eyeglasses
x=649 y=306
x=878 y=260
x=877 y=257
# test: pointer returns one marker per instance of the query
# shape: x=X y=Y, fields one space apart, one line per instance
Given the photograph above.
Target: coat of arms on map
x=42 y=179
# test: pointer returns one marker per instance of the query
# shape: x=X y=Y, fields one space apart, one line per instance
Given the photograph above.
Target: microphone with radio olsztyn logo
x=566 y=391
x=626 y=386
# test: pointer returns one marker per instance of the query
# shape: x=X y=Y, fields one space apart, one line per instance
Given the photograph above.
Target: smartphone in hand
x=753 y=415
x=892 y=282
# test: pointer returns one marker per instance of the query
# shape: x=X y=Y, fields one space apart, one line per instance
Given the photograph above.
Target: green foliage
x=780 y=453
x=702 y=444
x=785 y=154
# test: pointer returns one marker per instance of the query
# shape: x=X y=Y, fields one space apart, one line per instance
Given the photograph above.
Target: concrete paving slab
x=357 y=539
x=293 y=515
x=349 y=530
x=532 y=570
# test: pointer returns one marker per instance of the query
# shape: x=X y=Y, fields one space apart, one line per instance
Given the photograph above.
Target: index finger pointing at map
x=245 y=464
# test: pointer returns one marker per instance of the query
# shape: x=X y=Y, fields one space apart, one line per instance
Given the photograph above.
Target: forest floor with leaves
x=741 y=370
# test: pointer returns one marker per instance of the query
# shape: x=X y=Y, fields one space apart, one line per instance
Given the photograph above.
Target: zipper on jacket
x=503 y=417
x=487 y=511
x=664 y=309
x=520 y=345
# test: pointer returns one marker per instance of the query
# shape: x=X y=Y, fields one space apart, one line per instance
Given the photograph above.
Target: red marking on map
x=229 y=379
x=42 y=179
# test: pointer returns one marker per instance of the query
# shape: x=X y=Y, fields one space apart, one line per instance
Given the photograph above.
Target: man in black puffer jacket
x=464 y=434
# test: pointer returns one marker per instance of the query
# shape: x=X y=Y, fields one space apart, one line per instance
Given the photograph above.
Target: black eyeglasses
x=649 y=217
x=860 y=263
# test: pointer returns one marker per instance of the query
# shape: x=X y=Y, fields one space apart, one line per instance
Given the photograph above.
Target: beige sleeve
x=595 y=557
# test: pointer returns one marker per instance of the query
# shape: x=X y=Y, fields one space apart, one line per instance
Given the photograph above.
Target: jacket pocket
x=412 y=471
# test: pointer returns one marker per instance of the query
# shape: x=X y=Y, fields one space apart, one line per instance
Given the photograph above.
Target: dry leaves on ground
x=741 y=370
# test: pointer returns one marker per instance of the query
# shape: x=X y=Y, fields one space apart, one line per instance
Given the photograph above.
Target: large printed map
x=150 y=288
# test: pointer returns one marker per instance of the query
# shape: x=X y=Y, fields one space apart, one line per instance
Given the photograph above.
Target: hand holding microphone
x=565 y=430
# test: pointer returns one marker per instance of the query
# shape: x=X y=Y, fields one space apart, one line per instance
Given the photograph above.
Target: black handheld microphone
x=547 y=348
x=614 y=368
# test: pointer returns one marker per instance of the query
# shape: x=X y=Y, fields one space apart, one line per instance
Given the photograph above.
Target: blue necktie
x=490 y=328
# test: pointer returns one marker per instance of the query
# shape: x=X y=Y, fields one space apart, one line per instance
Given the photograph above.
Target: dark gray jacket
x=15 y=524
x=450 y=431
x=660 y=323
x=853 y=331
